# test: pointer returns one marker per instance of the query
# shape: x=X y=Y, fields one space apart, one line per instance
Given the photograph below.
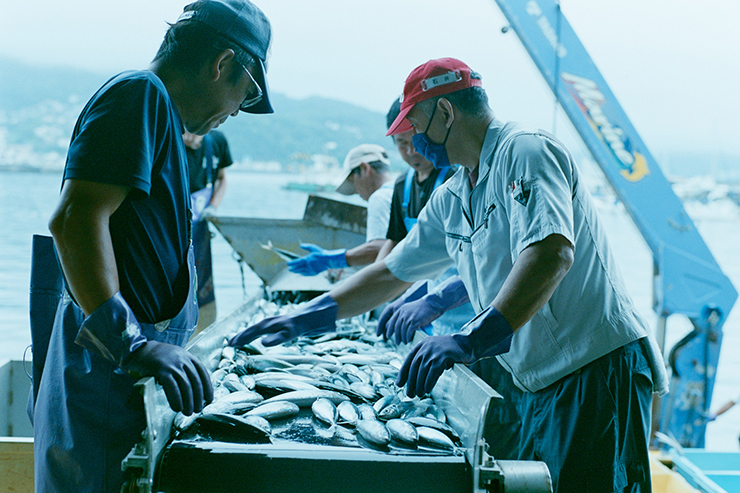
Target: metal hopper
x=164 y=464
x=326 y=222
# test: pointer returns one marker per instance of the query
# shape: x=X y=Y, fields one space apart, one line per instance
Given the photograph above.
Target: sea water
x=28 y=199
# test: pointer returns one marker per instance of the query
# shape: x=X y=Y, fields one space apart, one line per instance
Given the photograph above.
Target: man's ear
x=364 y=169
x=445 y=108
x=220 y=65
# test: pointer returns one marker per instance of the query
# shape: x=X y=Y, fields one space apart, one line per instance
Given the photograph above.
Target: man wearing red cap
x=522 y=231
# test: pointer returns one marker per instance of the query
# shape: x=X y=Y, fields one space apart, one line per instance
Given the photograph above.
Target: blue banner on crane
x=688 y=279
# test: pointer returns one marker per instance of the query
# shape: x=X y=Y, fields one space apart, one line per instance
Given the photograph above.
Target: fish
x=220 y=392
x=273 y=387
x=230 y=428
x=365 y=390
x=259 y=422
x=182 y=422
x=403 y=432
x=304 y=398
x=373 y=432
x=347 y=413
x=367 y=412
x=274 y=410
x=242 y=396
x=437 y=425
x=226 y=406
x=433 y=438
x=233 y=383
x=325 y=411
x=286 y=255
x=395 y=409
x=384 y=401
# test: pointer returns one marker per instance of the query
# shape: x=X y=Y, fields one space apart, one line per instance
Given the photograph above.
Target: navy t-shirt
x=197 y=160
x=130 y=134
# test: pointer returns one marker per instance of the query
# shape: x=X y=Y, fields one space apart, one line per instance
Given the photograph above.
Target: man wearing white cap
x=367 y=173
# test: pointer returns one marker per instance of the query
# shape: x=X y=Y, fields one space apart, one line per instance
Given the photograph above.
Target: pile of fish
x=335 y=389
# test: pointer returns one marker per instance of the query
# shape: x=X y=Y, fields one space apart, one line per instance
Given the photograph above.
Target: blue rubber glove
x=416 y=315
x=113 y=332
x=315 y=317
x=318 y=260
x=416 y=291
x=488 y=334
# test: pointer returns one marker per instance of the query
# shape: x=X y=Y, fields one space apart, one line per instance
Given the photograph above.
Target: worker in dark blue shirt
x=122 y=231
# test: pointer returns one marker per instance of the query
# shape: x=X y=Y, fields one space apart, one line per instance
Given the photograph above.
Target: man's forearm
x=367 y=289
x=219 y=189
x=87 y=259
x=386 y=249
x=533 y=278
x=364 y=254
x=80 y=227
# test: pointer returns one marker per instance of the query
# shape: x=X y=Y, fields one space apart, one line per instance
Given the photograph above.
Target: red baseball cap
x=434 y=78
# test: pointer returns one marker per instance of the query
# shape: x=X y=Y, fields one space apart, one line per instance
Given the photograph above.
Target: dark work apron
x=199 y=200
x=87 y=414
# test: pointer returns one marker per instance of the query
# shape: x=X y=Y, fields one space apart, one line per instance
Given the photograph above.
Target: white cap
x=364 y=153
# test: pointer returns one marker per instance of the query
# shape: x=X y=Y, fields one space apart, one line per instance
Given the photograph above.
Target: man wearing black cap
x=122 y=232
x=522 y=231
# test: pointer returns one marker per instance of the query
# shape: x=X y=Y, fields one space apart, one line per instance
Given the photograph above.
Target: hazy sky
x=674 y=65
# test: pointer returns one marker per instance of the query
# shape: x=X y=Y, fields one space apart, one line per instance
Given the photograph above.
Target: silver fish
x=233 y=383
x=220 y=392
x=384 y=401
x=225 y=406
x=274 y=410
x=259 y=422
x=437 y=425
x=230 y=428
x=325 y=411
x=367 y=412
x=373 y=431
x=434 y=438
x=242 y=396
x=403 y=432
x=347 y=413
x=304 y=398
x=395 y=409
x=183 y=422
x=365 y=390
x=284 y=254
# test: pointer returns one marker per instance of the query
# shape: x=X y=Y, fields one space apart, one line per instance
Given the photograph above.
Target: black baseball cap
x=246 y=25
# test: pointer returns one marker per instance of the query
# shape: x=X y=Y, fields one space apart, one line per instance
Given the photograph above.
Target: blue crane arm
x=687 y=279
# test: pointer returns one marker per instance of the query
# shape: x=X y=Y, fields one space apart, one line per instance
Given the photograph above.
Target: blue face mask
x=433 y=152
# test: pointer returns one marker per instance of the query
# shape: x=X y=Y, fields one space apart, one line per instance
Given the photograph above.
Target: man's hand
x=488 y=334
x=318 y=260
x=317 y=316
x=416 y=291
x=407 y=319
x=186 y=382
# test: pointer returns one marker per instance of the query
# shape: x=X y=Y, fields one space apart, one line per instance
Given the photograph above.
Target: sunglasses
x=251 y=100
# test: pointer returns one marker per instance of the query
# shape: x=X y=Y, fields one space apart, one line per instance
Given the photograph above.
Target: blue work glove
x=488 y=334
x=318 y=260
x=113 y=332
x=416 y=291
x=315 y=317
x=416 y=315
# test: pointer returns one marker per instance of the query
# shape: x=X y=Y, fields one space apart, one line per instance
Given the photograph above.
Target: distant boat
x=309 y=187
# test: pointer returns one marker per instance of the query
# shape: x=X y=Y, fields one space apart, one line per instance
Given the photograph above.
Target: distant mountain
x=39 y=106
